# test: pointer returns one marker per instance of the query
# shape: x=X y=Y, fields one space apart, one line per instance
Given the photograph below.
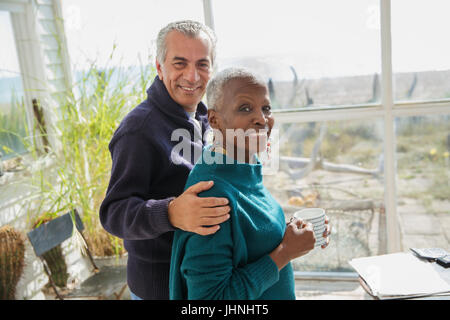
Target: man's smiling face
x=186 y=69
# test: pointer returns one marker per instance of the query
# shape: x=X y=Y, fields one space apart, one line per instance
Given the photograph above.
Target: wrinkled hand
x=298 y=240
x=325 y=234
x=189 y=212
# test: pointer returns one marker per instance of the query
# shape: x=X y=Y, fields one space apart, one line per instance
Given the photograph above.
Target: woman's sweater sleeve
x=210 y=273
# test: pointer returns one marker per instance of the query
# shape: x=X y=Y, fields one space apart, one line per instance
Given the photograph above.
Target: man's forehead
x=183 y=46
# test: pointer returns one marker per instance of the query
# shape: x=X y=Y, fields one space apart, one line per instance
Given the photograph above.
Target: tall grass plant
x=88 y=116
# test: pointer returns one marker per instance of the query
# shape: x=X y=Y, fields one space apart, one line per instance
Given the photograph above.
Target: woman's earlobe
x=212 y=118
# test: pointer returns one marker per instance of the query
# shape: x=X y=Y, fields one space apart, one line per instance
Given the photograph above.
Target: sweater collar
x=163 y=101
x=238 y=173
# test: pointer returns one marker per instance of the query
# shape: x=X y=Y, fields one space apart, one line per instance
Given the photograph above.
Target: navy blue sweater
x=143 y=181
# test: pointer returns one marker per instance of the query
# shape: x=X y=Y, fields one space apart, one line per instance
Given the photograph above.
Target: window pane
x=93 y=28
x=314 y=53
x=346 y=180
x=420 y=49
x=12 y=113
x=423 y=146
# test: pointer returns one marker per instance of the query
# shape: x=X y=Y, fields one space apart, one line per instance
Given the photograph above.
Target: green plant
x=89 y=115
x=13 y=128
x=12 y=253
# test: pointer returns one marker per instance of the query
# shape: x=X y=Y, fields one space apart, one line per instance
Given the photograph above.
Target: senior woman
x=249 y=256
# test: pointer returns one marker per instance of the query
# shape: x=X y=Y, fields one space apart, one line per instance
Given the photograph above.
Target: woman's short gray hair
x=189 y=28
x=214 y=90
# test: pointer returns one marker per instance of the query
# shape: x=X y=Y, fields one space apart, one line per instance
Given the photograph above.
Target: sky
x=319 y=38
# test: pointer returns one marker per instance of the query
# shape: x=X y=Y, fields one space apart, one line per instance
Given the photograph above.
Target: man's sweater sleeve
x=126 y=211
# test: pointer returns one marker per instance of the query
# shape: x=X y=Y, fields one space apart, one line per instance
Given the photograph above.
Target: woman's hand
x=298 y=240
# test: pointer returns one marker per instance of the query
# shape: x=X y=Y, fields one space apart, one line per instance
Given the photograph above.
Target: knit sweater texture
x=144 y=178
x=234 y=262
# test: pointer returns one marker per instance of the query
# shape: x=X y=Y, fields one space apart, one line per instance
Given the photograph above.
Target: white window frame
x=25 y=38
x=388 y=109
x=30 y=59
x=23 y=17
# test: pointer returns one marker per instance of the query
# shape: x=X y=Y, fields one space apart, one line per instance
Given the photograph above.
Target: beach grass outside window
x=423 y=176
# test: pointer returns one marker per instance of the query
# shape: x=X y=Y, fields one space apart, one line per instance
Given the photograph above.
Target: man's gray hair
x=214 y=90
x=189 y=28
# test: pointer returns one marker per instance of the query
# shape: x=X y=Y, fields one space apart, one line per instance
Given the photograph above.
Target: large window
x=362 y=92
x=314 y=53
x=420 y=49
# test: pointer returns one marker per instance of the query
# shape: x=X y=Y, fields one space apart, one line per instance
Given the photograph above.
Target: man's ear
x=213 y=119
x=159 y=70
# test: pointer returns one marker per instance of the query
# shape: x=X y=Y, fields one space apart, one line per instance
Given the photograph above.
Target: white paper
x=402 y=274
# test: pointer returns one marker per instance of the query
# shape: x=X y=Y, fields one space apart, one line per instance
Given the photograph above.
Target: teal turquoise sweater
x=234 y=262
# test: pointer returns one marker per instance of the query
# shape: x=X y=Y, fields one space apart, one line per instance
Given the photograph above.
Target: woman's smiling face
x=246 y=113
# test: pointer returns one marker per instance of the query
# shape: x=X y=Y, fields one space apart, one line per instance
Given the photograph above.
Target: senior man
x=145 y=202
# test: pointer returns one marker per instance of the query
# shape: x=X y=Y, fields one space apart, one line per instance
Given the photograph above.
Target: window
x=385 y=144
x=335 y=165
x=122 y=33
x=313 y=53
x=13 y=123
x=420 y=49
x=423 y=148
